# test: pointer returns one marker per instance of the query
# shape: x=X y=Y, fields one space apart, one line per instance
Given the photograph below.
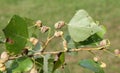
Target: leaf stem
x=49 y=32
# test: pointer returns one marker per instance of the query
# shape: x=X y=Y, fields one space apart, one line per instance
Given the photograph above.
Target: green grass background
x=51 y=11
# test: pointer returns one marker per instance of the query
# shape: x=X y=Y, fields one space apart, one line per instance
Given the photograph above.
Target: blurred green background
x=51 y=11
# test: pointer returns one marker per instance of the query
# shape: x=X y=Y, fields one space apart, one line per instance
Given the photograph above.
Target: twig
x=12 y=58
x=57 y=52
x=46 y=43
x=72 y=50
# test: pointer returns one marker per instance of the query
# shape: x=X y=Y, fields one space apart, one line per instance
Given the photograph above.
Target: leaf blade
x=17 y=32
x=59 y=62
x=91 y=65
x=82 y=26
x=22 y=64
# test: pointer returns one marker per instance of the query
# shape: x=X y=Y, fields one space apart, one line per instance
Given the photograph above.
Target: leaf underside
x=82 y=26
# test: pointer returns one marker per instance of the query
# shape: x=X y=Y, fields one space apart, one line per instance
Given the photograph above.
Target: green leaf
x=82 y=26
x=30 y=24
x=33 y=30
x=16 y=33
x=94 y=39
x=31 y=27
x=91 y=41
x=102 y=32
x=22 y=64
x=59 y=62
x=92 y=65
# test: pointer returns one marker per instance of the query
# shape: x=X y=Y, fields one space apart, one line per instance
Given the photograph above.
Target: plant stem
x=72 y=50
x=57 y=52
x=46 y=43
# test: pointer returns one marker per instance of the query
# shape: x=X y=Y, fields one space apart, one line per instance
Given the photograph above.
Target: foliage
x=92 y=65
x=16 y=34
x=20 y=65
x=82 y=22
x=27 y=52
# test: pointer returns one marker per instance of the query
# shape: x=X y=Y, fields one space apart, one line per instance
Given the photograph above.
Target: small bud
x=44 y=29
x=96 y=59
x=33 y=70
x=3 y=68
x=59 y=24
x=38 y=23
x=117 y=51
x=103 y=43
x=33 y=40
x=4 y=56
x=1 y=65
x=103 y=65
x=58 y=33
x=2 y=60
